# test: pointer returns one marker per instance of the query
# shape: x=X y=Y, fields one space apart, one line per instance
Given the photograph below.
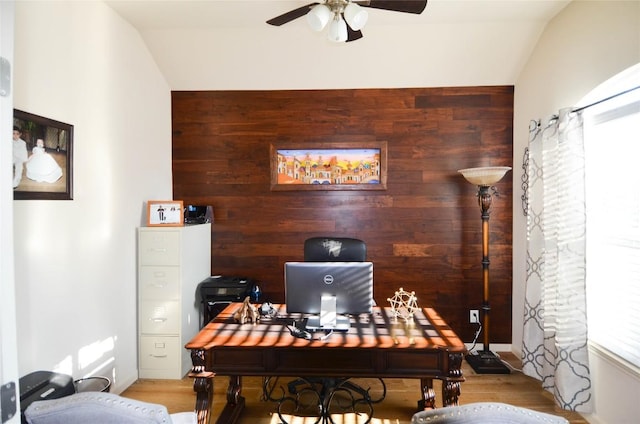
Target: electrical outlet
x=474 y=316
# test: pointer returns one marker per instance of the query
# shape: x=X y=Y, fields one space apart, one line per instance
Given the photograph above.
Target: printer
x=217 y=292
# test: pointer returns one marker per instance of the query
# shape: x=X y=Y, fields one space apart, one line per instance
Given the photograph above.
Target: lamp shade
x=484 y=176
x=355 y=16
x=319 y=16
x=338 y=30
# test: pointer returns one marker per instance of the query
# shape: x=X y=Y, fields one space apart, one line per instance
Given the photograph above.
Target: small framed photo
x=165 y=213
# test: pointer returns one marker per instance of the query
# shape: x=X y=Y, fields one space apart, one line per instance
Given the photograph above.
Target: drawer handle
x=158 y=356
x=158 y=250
x=158 y=285
x=157 y=319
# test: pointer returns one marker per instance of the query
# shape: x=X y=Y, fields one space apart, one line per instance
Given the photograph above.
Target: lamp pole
x=484 y=200
x=485 y=361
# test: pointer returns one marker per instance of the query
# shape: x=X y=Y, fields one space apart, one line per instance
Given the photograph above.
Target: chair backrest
x=96 y=407
x=334 y=249
x=486 y=413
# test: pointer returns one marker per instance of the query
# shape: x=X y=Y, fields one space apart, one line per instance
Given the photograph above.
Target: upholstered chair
x=485 y=413
x=102 y=408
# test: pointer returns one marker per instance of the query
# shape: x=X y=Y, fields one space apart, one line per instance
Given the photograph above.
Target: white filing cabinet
x=171 y=263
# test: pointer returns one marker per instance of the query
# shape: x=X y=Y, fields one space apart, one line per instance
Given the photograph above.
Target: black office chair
x=335 y=249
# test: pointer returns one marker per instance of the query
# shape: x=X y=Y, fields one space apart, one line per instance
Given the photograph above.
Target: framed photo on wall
x=165 y=213
x=42 y=158
x=329 y=166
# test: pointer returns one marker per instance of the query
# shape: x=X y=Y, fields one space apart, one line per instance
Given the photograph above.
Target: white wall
x=584 y=45
x=80 y=63
x=8 y=350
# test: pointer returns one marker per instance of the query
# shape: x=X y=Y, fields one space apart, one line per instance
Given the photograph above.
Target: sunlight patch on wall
x=65 y=366
x=94 y=352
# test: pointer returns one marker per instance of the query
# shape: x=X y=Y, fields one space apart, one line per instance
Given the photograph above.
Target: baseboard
x=123 y=385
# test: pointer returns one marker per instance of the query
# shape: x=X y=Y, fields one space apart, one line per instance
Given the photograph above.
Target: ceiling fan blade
x=291 y=15
x=353 y=35
x=407 y=6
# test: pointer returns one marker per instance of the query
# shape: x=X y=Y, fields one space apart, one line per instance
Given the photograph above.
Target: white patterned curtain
x=554 y=347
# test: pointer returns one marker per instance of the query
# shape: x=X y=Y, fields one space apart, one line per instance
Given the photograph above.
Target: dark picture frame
x=329 y=166
x=47 y=172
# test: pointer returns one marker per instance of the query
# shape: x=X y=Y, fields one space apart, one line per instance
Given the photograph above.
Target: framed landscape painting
x=42 y=158
x=329 y=166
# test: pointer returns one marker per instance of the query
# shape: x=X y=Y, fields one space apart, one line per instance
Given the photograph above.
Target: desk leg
x=235 y=402
x=450 y=392
x=451 y=386
x=202 y=385
x=428 y=400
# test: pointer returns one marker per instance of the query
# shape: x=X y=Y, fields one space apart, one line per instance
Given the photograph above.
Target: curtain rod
x=597 y=102
x=605 y=99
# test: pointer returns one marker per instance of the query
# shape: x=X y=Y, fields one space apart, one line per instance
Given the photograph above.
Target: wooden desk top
x=376 y=346
x=378 y=330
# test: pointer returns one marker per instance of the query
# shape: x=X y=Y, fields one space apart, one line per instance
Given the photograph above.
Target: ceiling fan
x=345 y=18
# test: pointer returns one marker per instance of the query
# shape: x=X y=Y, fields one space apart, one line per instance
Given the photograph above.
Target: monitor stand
x=328 y=318
x=342 y=323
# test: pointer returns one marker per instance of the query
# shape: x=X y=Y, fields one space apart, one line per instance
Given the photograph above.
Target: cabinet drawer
x=159 y=247
x=159 y=317
x=160 y=354
x=159 y=282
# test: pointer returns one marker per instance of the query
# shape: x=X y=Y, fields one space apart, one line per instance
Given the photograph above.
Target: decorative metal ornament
x=403 y=304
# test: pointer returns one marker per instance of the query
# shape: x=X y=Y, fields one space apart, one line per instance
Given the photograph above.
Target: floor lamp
x=485 y=361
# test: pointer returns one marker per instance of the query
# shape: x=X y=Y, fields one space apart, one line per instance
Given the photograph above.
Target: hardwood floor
x=398 y=407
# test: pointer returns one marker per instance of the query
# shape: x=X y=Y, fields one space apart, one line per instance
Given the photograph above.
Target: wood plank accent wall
x=423 y=233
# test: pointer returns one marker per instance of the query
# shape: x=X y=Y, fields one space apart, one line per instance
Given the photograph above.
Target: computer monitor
x=328 y=291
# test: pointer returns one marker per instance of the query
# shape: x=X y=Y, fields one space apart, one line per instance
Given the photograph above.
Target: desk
x=375 y=346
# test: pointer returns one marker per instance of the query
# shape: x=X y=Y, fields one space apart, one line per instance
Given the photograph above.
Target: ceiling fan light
x=338 y=30
x=318 y=17
x=355 y=16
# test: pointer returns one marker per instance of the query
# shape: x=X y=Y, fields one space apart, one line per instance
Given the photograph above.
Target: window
x=612 y=168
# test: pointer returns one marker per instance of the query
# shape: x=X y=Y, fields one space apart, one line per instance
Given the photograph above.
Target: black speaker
x=198 y=214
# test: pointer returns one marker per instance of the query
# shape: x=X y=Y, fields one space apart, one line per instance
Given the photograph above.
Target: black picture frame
x=40 y=178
